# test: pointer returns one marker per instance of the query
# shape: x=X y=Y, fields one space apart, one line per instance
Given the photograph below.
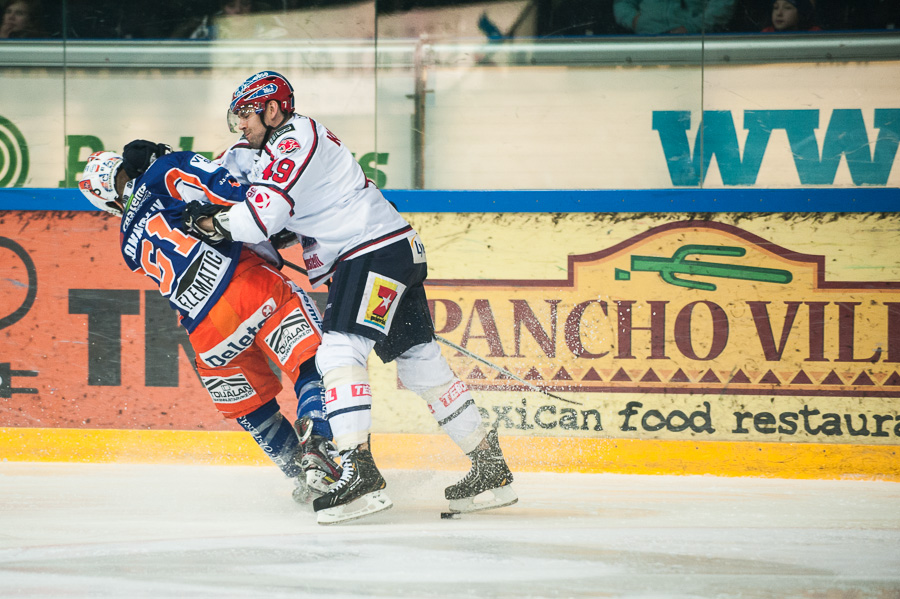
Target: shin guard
x=275 y=435
x=311 y=400
x=348 y=404
x=453 y=406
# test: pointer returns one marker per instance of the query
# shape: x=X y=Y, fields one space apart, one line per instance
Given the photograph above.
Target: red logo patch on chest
x=286 y=146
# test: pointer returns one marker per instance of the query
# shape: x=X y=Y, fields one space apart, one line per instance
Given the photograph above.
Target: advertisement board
x=639 y=329
x=785 y=125
x=636 y=267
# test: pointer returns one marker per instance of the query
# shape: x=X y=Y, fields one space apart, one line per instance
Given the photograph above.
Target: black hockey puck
x=450 y=515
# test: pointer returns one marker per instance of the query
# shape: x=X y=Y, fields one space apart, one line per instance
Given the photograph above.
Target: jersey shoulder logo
x=279 y=132
x=261 y=200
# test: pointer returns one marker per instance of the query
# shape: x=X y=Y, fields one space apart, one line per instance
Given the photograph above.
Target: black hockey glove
x=195 y=211
x=284 y=239
x=139 y=154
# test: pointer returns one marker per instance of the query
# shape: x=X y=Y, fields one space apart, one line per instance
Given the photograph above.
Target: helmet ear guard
x=98 y=181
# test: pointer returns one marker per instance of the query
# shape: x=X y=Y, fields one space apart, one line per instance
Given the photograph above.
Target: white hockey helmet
x=98 y=182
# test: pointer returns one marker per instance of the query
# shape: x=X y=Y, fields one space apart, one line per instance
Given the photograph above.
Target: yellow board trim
x=524 y=454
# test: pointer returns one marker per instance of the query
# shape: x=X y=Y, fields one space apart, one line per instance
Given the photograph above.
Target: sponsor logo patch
x=267 y=89
x=240 y=339
x=451 y=395
x=379 y=299
x=312 y=309
x=312 y=261
x=261 y=200
x=200 y=280
x=228 y=389
x=279 y=132
x=418 y=249
x=246 y=84
x=289 y=334
x=203 y=163
x=288 y=145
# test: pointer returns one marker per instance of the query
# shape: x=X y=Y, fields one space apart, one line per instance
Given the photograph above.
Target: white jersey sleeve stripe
x=257 y=219
x=245 y=224
x=309 y=155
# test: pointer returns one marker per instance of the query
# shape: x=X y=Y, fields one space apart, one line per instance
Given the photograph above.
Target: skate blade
x=302 y=495
x=489 y=500
x=368 y=504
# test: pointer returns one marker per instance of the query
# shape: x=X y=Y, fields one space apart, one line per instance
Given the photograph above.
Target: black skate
x=489 y=473
x=315 y=457
x=358 y=493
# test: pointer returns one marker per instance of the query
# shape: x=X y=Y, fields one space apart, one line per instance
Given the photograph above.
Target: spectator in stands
x=21 y=19
x=649 y=17
x=793 y=15
x=204 y=27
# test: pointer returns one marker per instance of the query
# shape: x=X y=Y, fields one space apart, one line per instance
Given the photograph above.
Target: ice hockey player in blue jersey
x=239 y=311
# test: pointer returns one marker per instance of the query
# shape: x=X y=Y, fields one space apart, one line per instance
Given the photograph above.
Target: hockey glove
x=218 y=215
x=139 y=154
x=284 y=239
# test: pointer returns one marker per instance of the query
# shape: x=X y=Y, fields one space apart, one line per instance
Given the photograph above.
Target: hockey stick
x=502 y=370
x=472 y=355
x=293 y=266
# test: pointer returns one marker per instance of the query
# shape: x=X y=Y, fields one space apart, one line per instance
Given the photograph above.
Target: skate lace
x=472 y=476
x=346 y=474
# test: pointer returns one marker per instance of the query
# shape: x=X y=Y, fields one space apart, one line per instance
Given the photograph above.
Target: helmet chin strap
x=270 y=128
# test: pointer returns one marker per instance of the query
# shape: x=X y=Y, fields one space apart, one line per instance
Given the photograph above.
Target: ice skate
x=319 y=469
x=358 y=493
x=488 y=484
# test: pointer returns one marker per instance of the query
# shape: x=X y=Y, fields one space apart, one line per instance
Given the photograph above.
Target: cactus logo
x=13 y=155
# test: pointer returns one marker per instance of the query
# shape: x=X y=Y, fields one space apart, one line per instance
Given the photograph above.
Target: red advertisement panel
x=86 y=343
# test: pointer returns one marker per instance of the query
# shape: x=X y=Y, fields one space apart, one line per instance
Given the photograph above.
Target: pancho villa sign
x=690 y=307
x=690 y=329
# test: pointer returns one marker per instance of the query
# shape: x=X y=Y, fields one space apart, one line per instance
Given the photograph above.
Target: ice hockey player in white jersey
x=304 y=179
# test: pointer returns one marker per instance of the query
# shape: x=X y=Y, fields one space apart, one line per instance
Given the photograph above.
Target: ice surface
x=125 y=530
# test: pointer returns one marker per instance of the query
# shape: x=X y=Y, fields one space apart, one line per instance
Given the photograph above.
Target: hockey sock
x=311 y=399
x=348 y=403
x=453 y=406
x=275 y=435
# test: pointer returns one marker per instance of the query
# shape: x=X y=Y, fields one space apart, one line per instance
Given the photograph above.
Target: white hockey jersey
x=307 y=181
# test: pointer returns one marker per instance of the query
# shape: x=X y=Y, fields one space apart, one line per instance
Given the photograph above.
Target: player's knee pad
x=422 y=367
x=342 y=349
